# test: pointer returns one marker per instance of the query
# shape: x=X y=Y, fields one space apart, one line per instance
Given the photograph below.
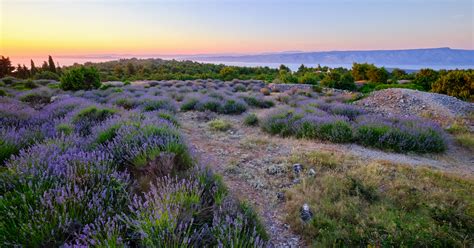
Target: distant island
x=409 y=59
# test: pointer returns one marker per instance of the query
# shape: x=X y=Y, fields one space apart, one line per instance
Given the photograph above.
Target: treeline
x=361 y=77
x=158 y=69
x=48 y=70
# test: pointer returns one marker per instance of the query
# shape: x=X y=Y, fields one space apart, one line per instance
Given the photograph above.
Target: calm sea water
x=70 y=60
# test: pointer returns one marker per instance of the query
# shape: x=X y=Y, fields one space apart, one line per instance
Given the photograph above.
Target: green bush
x=3 y=92
x=80 y=78
x=6 y=150
x=64 y=128
x=258 y=102
x=219 y=125
x=232 y=107
x=36 y=98
x=189 y=105
x=93 y=114
x=251 y=120
x=46 y=75
x=459 y=84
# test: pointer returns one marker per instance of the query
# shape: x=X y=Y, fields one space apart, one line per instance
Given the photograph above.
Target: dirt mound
x=441 y=108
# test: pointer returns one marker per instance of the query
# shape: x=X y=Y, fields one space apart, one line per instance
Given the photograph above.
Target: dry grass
x=379 y=203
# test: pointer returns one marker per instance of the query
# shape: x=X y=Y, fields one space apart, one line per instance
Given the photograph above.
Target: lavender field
x=111 y=167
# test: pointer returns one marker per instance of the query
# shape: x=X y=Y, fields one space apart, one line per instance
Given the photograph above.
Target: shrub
x=9 y=80
x=209 y=103
x=240 y=88
x=258 y=102
x=317 y=88
x=219 y=125
x=126 y=103
x=280 y=122
x=65 y=129
x=154 y=105
x=251 y=120
x=400 y=135
x=232 y=107
x=29 y=84
x=456 y=83
x=36 y=98
x=46 y=75
x=189 y=105
x=94 y=114
x=6 y=150
x=329 y=128
x=3 y=92
x=265 y=91
x=90 y=116
x=169 y=117
x=80 y=78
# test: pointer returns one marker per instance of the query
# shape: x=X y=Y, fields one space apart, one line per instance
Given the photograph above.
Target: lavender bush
x=78 y=172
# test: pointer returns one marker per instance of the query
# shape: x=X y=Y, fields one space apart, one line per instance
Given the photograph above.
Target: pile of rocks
x=406 y=102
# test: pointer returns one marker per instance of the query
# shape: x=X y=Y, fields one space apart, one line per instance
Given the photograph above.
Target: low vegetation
x=84 y=165
x=354 y=203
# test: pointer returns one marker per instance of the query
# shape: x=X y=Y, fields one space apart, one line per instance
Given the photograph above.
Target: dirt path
x=255 y=165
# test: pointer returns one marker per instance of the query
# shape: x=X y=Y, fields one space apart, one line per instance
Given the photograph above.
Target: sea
x=70 y=60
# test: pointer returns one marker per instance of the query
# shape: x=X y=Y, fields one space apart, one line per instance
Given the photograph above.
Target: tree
x=51 y=64
x=228 y=73
x=287 y=77
x=6 y=67
x=456 y=83
x=22 y=72
x=284 y=68
x=302 y=70
x=45 y=66
x=33 y=69
x=346 y=82
x=359 y=71
x=80 y=78
x=377 y=75
x=308 y=78
x=130 y=69
x=425 y=78
x=118 y=71
x=398 y=74
x=330 y=79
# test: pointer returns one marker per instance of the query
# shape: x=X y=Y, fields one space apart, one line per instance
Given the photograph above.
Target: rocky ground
x=406 y=102
x=256 y=169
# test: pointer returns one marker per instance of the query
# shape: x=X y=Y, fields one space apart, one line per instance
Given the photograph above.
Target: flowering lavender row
x=345 y=123
x=84 y=170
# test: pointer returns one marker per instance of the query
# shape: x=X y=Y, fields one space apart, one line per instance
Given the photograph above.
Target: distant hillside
x=433 y=56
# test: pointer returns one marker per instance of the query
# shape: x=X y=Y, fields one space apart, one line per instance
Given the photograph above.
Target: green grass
x=381 y=204
x=219 y=125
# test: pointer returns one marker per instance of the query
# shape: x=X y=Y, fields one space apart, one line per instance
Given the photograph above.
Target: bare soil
x=255 y=165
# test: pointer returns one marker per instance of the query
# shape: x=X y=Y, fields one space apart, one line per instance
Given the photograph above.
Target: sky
x=88 y=27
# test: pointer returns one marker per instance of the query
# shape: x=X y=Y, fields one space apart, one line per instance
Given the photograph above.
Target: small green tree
x=330 y=79
x=377 y=75
x=345 y=83
x=398 y=74
x=425 y=78
x=359 y=71
x=308 y=78
x=457 y=83
x=80 y=78
x=228 y=73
